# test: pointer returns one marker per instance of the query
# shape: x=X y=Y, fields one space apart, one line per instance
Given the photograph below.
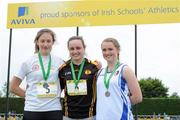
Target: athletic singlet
x=117 y=106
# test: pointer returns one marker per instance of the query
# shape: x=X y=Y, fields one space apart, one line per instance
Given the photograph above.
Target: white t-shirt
x=31 y=70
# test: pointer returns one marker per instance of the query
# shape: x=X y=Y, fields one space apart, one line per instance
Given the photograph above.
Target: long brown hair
x=76 y=38
x=39 y=33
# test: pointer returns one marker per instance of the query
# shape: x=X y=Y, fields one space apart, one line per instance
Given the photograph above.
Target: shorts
x=90 y=118
x=47 y=115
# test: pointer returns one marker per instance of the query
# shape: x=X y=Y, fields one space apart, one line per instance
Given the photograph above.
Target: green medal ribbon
x=106 y=81
x=45 y=75
x=76 y=81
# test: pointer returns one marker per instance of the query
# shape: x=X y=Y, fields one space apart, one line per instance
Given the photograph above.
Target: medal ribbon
x=107 y=80
x=45 y=75
x=76 y=81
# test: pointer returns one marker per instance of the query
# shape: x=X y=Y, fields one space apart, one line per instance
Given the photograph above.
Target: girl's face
x=76 y=50
x=110 y=52
x=45 y=43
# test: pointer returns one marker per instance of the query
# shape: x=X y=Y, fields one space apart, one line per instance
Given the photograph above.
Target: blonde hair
x=114 y=42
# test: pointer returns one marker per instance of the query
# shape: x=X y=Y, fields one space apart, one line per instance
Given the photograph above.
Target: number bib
x=81 y=89
x=46 y=89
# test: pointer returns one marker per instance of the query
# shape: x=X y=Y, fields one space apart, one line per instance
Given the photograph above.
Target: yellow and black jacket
x=79 y=106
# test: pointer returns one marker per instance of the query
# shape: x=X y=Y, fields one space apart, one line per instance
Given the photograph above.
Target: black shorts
x=49 y=115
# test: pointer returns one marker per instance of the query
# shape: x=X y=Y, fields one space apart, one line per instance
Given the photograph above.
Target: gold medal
x=76 y=89
x=107 y=93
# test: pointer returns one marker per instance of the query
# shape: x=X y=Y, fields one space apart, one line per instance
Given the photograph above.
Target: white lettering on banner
x=22 y=21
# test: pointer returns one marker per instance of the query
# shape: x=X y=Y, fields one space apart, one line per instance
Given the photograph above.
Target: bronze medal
x=107 y=80
x=107 y=93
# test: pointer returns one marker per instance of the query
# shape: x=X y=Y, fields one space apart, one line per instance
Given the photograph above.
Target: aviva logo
x=22 y=11
x=22 y=20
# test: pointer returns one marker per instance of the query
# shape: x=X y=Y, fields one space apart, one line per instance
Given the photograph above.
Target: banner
x=92 y=13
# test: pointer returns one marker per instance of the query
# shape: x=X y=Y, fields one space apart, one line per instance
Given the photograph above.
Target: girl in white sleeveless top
x=117 y=86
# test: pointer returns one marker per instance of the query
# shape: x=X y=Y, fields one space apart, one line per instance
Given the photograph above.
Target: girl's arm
x=133 y=85
x=14 y=87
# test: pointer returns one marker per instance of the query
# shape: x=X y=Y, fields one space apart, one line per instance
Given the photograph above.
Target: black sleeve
x=61 y=78
x=96 y=69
